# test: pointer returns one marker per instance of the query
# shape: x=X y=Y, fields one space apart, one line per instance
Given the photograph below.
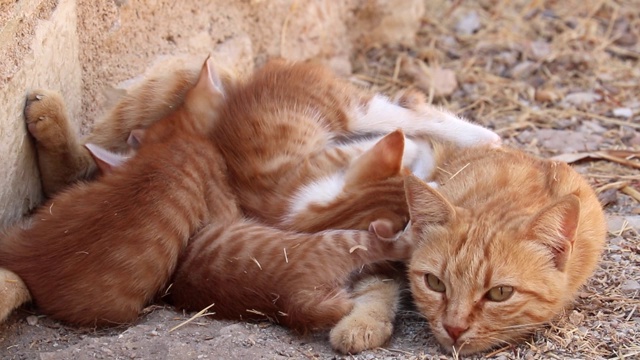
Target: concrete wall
x=82 y=48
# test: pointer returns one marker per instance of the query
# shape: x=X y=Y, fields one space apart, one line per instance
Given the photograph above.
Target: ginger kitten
x=98 y=252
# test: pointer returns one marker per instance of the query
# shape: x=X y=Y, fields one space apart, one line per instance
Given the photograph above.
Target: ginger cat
x=285 y=175
x=309 y=177
x=99 y=251
x=504 y=243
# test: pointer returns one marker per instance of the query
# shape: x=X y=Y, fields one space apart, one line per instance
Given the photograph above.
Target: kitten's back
x=99 y=251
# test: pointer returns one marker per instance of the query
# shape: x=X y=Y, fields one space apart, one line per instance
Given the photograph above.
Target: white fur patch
x=382 y=116
x=418 y=156
x=321 y=191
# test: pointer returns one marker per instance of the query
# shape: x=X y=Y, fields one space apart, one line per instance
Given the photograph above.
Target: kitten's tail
x=13 y=293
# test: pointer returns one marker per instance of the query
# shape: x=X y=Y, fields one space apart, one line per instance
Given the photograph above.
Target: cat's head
x=482 y=280
x=197 y=115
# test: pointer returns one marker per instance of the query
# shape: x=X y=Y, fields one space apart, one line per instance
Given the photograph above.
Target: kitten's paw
x=13 y=293
x=358 y=332
x=411 y=99
x=46 y=118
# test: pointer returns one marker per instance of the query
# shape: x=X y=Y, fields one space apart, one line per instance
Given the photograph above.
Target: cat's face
x=481 y=280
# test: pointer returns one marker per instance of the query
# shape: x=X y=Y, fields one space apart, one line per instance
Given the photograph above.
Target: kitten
x=99 y=251
x=504 y=243
x=88 y=267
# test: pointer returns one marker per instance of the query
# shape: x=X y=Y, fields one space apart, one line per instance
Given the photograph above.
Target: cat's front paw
x=359 y=332
x=46 y=118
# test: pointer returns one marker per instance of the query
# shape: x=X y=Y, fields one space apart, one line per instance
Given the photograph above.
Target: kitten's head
x=196 y=115
x=485 y=279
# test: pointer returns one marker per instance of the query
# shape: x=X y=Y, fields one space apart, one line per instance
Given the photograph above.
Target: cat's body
x=282 y=133
x=278 y=134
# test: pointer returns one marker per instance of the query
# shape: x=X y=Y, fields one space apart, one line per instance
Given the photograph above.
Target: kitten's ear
x=382 y=161
x=426 y=205
x=105 y=159
x=556 y=227
x=135 y=138
x=204 y=99
x=209 y=81
x=383 y=229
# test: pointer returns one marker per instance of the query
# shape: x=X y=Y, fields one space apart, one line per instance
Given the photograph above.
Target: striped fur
x=506 y=219
x=250 y=271
x=100 y=251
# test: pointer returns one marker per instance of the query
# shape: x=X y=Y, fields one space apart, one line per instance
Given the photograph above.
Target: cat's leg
x=13 y=293
x=411 y=113
x=61 y=158
x=370 y=323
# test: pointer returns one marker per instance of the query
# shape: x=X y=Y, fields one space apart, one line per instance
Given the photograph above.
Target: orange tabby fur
x=271 y=157
x=98 y=252
x=506 y=219
x=157 y=195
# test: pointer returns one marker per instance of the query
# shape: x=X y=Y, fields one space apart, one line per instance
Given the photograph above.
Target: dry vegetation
x=553 y=78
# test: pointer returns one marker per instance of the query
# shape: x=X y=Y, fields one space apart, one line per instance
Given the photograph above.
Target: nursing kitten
x=100 y=251
x=504 y=243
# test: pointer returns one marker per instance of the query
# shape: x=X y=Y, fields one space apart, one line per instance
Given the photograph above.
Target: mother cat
x=561 y=232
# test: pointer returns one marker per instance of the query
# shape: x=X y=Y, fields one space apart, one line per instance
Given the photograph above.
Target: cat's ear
x=105 y=159
x=209 y=81
x=135 y=138
x=426 y=205
x=382 y=161
x=556 y=227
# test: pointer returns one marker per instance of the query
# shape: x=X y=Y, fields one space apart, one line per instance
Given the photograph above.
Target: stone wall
x=83 y=48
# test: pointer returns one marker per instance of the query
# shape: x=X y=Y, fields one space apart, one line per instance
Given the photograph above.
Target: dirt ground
x=553 y=78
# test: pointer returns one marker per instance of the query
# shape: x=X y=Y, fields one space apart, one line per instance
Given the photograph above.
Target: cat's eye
x=435 y=284
x=500 y=293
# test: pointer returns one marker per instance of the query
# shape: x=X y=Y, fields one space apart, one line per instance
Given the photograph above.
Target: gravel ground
x=553 y=78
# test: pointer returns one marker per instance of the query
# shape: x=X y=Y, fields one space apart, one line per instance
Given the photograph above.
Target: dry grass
x=533 y=66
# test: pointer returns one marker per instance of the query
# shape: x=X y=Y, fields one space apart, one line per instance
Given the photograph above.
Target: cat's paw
x=359 y=332
x=46 y=118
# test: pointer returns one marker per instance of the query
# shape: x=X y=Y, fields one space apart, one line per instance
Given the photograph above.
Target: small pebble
x=630 y=285
x=32 y=320
x=623 y=112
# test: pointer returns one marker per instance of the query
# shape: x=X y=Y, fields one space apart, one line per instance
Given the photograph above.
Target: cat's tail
x=13 y=293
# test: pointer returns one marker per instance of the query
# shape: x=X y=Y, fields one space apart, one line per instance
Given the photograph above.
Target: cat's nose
x=455 y=331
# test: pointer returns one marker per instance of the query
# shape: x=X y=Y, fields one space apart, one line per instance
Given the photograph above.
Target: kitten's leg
x=415 y=117
x=13 y=293
x=299 y=279
x=370 y=323
x=61 y=159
